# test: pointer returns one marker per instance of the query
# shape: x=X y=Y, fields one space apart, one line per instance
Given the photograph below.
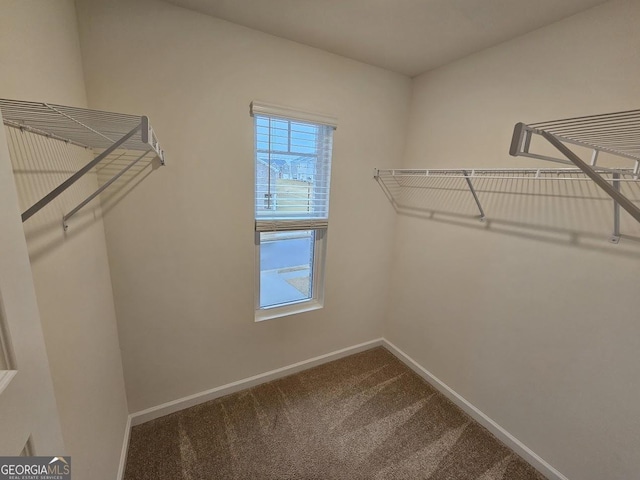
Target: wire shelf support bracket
x=475 y=195
x=616 y=134
x=103 y=132
x=612 y=179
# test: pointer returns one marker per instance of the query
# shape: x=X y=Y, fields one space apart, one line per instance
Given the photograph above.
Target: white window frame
x=320 y=242
x=317 y=296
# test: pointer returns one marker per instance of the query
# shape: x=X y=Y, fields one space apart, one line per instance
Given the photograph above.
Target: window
x=292 y=182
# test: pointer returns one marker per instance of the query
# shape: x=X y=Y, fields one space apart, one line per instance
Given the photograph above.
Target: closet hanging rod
x=103 y=132
x=616 y=134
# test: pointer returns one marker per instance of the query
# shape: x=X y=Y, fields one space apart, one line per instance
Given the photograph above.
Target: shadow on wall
x=7 y=360
x=40 y=164
x=571 y=210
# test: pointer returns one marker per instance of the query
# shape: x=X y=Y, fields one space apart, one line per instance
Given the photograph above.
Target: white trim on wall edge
x=182 y=403
x=505 y=437
x=125 y=449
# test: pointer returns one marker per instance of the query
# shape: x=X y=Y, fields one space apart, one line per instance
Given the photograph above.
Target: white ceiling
x=406 y=36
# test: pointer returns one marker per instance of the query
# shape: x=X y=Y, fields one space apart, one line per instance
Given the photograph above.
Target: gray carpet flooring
x=366 y=416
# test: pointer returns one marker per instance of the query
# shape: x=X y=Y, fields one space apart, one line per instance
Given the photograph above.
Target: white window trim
x=288 y=113
x=320 y=225
x=317 y=298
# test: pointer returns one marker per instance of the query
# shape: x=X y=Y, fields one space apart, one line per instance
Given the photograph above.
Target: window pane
x=292 y=168
x=286 y=267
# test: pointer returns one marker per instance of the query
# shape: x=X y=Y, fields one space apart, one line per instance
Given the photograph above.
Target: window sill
x=286 y=310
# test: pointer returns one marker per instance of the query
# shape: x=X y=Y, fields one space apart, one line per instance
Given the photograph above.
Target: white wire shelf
x=408 y=189
x=542 y=174
x=93 y=129
x=102 y=132
x=615 y=134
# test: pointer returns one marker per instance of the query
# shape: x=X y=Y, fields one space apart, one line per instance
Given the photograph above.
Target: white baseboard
x=180 y=404
x=125 y=449
x=505 y=437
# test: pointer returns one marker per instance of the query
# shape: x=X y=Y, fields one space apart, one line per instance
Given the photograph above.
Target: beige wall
x=40 y=60
x=529 y=316
x=28 y=409
x=532 y=316
x=181 y=243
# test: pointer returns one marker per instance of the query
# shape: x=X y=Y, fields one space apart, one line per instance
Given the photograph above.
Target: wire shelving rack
x=104 y=133
x=612 y=140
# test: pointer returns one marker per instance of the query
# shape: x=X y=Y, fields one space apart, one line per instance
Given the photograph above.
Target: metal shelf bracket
x=104 y=131
x=616 y=134
x=475 y=195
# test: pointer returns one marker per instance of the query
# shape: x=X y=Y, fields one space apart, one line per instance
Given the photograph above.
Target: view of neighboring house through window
x=292 y=176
